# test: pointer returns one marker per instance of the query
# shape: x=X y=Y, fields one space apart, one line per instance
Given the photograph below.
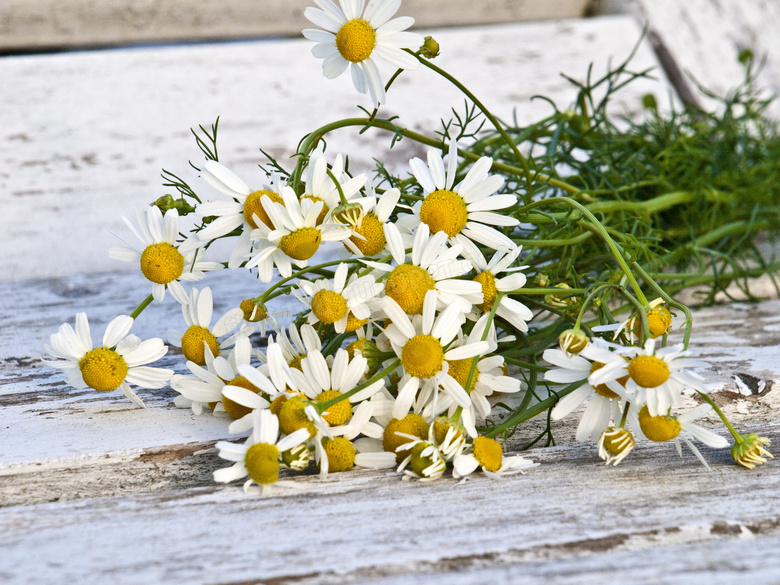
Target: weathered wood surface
x=39 y=24
x=701 y=39
x=84 y=135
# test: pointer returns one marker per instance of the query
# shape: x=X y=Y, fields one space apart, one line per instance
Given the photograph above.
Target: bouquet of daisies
x=424 y=301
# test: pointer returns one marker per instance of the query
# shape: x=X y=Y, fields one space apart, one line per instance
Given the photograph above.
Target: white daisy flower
x=605 y=400
x=117 y=364
x=354 y=36
x=258 y=458
x=200 y=337
x=245 y=212
x=656 y=377
x=662 y=428
x=488 y=454
x=295 y=237
x=432 y=266
x=207 y=384
x=161 y=261
x=464 y=211
x=369 y=237
x=511 y=310
x=421 y=343
x=334 y=302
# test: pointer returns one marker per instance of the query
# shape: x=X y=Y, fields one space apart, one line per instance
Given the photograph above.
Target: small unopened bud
x=430 y=48
x=750 y=451
x=350 y=214
x=573 y=341
x=615 y=443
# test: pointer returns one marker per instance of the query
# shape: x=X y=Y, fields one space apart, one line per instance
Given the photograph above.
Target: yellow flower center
x=192 y=344
x=253 y=205
x=459 y=369
x=162 y=263
x=339 y=413
x=418 y=462
x=234 y=409
x=489 y=290
x=444 y=211
x=354 y=323
x=341 y=454
x=325 y=208
x=262 y=463
x=658 y=428
x=103 y=369
x=648 y=371
x=252 y=311
x=292 y=416
x=411 y=424
x=355 y=40
x=422 y=356
x=407 y=285
x=328 y=306
x=603 y=389
x=371 y=229
x=488 y=453
x=302 y=243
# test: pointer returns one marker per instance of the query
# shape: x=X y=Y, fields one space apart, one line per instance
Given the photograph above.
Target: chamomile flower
x=511 y=310
x=259 y=457
x=663 y=428
x=422 y=344
x=488 y=454
x=244 y=212
x=319 y=186
x=295 y=236
x=200 y=337
x=119 y=362
x=354 y=37
x=656 y=377
x=432 y=267
x=463 y=211
x=163 y=262
x=605 y=400
x=369 y=236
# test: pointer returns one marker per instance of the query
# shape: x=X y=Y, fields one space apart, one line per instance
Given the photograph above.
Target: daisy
x=369 y=236
x=512 y=311
x=421 y=343
x=464 y=211
x=488 y=454
x=433 y=266
x=119 y=362
x=354 y=36
x=656 y=377
x=605 y=400
x=161 y=261
x=258 y=458
x=319 y=186
x=334 y=302
x=245 y=212
x=295 y=236
x=200 y=338
x=663 y=428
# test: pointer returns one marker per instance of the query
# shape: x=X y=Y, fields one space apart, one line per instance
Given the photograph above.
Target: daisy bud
x=615 y=444
x=573 y=341
x=749 y=450
x=430 y=48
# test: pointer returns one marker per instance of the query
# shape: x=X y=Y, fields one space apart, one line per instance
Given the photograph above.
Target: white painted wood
x=36 y=24
x=83 y=136
x=702 y=39
x=654 y=519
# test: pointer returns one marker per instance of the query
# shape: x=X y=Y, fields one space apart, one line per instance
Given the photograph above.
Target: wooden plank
x=45 y=24
x=703 y=38
x=84 y=135
x=571 y=520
